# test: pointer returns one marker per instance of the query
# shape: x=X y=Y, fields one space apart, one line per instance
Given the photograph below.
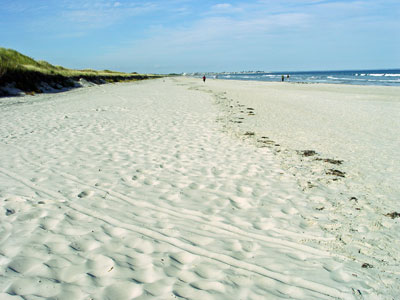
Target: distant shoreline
x=303 y=83
x=354 y=77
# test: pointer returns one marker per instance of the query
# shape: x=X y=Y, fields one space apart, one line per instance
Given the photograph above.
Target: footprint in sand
x=160 y=287
x=148 y=275
x=85 y=194
x=85 y=245
x=24 y=265
x=188 y=292
x=42 y=288
x=122 y=290
x=183 y=257
x=208 y=271
x=100 y=265
x=240 y=202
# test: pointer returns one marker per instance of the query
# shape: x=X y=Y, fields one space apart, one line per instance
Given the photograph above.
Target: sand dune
x=136 y=191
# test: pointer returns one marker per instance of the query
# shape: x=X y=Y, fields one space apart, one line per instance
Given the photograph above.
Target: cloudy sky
x=164 y=36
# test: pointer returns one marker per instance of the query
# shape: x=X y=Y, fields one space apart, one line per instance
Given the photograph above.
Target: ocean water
x=364 y=77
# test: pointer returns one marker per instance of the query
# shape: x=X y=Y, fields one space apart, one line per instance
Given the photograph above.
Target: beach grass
x=28 y=75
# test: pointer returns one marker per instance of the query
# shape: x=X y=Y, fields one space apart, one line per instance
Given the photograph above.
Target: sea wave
x=376 y=75
x=364 y=77
x=379 y=74
x=392 y=75
x=384 y=75
x=340 y=78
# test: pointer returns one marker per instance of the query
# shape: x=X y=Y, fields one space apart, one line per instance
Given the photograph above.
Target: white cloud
x=89 y=15
x=222 y=6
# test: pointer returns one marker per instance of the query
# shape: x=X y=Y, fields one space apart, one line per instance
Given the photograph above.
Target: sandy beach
x=178 y=189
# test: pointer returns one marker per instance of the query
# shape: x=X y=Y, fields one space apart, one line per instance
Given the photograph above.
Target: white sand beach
x=178 y=189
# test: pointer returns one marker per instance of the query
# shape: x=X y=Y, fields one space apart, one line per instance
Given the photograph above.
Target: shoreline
x=293 y=82
x=355 y=77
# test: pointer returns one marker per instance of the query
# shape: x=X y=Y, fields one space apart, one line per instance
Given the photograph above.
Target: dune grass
x=28 y=75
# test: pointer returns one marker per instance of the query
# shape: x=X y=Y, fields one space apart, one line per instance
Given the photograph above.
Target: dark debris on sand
x=336 y=173
x=307 y=152
x=393 y=215
x=249 y=133
x=331 y=161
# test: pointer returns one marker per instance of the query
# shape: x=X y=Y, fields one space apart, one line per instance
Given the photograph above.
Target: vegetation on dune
x=29 y=75
x=10 y=58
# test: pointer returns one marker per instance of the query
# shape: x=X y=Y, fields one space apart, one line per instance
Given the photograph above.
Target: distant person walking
x=283 y=78
x=204 y=78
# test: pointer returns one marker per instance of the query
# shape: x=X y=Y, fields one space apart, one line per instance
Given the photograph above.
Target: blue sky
x=186 y=36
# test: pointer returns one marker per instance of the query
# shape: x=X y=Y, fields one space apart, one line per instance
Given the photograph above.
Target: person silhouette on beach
x=204 y=78
x=283 y=78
